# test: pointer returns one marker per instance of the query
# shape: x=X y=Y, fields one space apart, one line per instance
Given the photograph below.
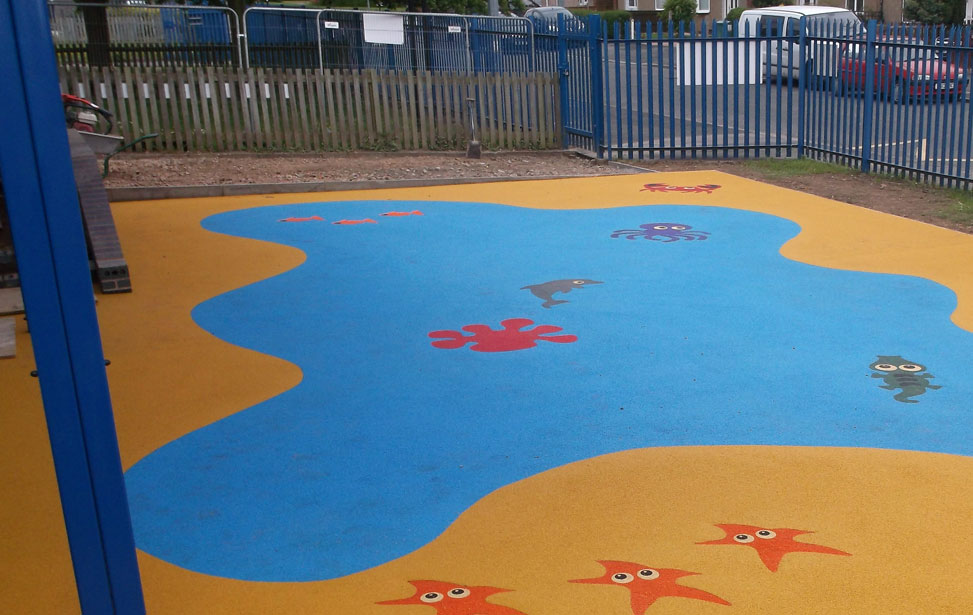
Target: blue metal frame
x=52 y=257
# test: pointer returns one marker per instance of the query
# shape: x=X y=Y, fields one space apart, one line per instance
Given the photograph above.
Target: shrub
x=612 y=17
x=582 y=14
x=935 y=11
x=734 y=15
x=679 y=10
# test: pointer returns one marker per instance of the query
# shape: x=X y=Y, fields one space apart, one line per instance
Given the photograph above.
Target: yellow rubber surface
x=904 y=517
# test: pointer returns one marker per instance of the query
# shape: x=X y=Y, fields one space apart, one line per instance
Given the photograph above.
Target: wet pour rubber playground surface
x=663 y=393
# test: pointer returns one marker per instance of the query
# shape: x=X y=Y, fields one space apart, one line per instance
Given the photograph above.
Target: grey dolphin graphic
x=546 y=290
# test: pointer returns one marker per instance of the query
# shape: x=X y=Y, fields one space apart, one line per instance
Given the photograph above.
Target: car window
x=770 y=25
x=793 y=27
x=549 y=13
x=837 y=23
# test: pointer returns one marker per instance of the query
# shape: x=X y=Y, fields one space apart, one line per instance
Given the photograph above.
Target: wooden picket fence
x=225 y=109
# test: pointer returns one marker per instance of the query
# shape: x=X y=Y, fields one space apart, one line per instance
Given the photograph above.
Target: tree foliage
x=935 y=11
x=679 y=10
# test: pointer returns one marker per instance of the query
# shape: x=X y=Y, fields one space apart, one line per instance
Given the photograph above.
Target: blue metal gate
x=579 y=61
x=698 y=91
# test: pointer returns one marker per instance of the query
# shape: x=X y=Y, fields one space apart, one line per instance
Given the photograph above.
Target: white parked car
x=781 y=57
x=550 y=14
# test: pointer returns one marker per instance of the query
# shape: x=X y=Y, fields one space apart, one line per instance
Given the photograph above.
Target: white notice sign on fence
x=455 y=29
x=331 y=25
x=387 y=29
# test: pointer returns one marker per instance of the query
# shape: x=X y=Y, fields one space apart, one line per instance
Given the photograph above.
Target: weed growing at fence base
x=792 y=168
x=961 y=210
x=383 y=142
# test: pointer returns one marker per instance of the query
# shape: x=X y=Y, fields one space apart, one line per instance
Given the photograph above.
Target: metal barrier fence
x=170 y=35
x=144 y=35
x=334 y=38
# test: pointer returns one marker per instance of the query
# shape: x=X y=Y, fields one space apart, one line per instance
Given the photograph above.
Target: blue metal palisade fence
x=888 y=97
x=895 y=101
x=699 y=91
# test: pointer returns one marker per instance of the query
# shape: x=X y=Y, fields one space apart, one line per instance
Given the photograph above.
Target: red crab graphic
x=707 y=188
x=510 y=337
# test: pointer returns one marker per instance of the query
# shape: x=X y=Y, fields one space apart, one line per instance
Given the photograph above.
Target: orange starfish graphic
x=770 y=544
x=649 y=584
x=455 y=599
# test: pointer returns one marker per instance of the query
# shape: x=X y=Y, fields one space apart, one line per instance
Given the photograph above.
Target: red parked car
x=902 y=70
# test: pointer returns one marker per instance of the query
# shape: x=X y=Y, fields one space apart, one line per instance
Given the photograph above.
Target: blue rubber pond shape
x=387 y=440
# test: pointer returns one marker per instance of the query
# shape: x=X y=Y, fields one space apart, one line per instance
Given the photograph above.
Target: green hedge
x=608 y=17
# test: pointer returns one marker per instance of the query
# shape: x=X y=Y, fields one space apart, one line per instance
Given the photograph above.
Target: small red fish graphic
x=368 y=220
x=414 y=212
x=308 y=219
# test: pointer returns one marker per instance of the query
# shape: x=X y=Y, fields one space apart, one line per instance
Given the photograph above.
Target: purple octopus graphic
x=662 y=231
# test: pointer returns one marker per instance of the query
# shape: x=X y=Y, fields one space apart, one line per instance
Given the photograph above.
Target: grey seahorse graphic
x=546 y=290
x=899 y=373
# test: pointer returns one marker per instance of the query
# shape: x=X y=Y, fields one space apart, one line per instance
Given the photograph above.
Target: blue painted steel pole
x=46 y=225
x=563 y=70
x=868 y=102
x=803 y=91
x=597 y=84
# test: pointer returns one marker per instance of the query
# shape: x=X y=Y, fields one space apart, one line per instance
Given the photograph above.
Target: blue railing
x=892 y=98
x=897 y=102
x=699 y=91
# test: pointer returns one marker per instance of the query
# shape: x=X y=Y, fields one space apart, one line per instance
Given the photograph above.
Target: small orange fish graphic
x=368 y=220
x=414 y=212
x=308 y=219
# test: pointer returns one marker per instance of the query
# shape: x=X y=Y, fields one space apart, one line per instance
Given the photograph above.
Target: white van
x=785 y=20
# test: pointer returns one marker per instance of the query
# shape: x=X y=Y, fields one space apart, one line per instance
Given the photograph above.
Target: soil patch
x=891 y=195
x=883 y=193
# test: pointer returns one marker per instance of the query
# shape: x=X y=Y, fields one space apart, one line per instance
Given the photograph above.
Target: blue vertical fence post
x=803 y=89
x=868 y=102
x=597 y=83
x=52 y=257
x=563 y=72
